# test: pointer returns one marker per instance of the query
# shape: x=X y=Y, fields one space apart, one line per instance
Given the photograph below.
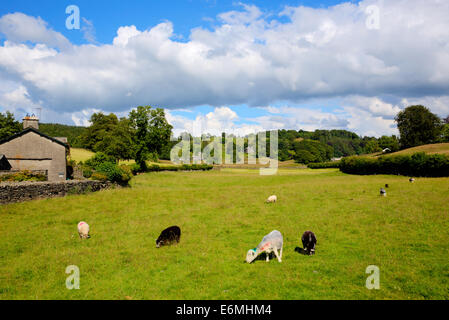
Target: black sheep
x=169 y=236
x=309 y=242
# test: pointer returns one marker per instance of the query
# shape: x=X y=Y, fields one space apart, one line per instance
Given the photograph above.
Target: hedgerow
x=417 y=165
x=324 y=165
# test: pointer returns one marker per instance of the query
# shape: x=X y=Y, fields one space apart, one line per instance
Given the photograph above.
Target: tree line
x=145 y=135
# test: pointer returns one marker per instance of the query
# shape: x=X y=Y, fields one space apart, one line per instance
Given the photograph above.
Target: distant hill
x=72 y=133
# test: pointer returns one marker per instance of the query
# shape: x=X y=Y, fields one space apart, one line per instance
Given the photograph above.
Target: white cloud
x=88 y=30
x=246 y=59
x=19 y=27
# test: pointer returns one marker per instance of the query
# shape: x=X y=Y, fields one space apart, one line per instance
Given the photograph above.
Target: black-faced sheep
x=169 y=236
x=308 y=242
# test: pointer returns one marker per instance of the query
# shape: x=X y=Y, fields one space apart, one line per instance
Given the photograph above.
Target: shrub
x=23 y=176
x=87 y=172
x=417 y=165
x=324 y=165
x=99 y=176
x=135 y=168
x=114 y=173
x=98 y=159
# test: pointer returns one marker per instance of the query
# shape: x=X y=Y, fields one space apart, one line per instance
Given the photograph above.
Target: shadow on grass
x=263 y=257
x=301 y=251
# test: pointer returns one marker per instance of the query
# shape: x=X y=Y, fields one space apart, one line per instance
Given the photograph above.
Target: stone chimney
x=31 y=121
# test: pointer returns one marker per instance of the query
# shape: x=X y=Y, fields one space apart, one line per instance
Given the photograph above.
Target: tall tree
x=8 y=125
x=101 y=125
x=418 y=126
x=151 y=132
x=118 y=142
x=159 y=132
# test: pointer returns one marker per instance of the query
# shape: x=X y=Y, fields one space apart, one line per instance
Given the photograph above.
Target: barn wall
x=34 y=152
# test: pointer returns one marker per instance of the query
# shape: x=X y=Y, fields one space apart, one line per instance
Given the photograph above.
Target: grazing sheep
x=386 y=185
x=169 y=236
x=308 y=242
x=272 y=199
x=411 y=180
x=272 y=242
x=383 y=192
x=83 y=230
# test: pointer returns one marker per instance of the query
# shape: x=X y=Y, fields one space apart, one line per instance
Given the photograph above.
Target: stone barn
x=32 y=150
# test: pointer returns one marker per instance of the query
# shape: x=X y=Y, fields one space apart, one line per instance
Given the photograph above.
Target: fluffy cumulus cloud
x=249 y=57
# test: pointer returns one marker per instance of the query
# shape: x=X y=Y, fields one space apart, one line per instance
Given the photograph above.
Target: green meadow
x=222 y=215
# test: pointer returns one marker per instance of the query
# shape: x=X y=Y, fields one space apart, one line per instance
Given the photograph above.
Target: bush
x=98 y=159
x=324 y=165
x=23 y=176
x=114 y=173
x=416 y=165
x=87 y=172
x=99 y=176
x=135 y=168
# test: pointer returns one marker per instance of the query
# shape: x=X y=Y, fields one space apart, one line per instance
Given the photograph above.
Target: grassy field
x=79 y=154
x=222 y=214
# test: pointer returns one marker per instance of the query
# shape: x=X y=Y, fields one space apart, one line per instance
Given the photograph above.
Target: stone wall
x=22 y=191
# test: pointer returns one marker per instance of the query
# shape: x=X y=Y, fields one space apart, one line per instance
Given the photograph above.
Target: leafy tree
x=446 y=120
x=372 y=146
x=445 y=133
x=101 y=125
x=159 y=132
x=151 y=133
x=418 y=126
x=8 y=125
x=117 y=142
x=316 y=151
x=72 y=133
x=304 y=157
x=391 y=143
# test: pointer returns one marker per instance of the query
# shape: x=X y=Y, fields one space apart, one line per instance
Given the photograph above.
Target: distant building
x=32 y=150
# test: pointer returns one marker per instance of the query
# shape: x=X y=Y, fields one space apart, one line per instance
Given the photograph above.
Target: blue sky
x=237 y=66
x=108 y=15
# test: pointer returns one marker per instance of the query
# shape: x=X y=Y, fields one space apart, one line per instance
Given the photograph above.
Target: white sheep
x=412 y=180
x=383 y=192
x=83 y=230
x=272 y=242
x=272 y=199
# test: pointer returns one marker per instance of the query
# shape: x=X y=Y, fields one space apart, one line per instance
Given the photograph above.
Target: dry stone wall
x=27 y=190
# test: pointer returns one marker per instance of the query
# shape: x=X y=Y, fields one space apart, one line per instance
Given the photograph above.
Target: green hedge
x=324 y=165
x=416 y=165
x=183 y=167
